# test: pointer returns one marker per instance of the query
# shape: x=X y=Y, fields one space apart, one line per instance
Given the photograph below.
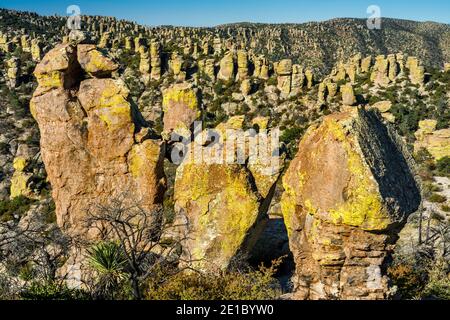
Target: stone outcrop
x=366 y=63
x=436 y=142
x=20 y=179
x=384 y=107
x=416 y=71
x=12 y=72
x=298 y=79
x=36 y=50
x=176 y=65
x=380 y=73
x=93 y=62
x=226 y=71
x=223 y=208
x=144 y=64
x=93 y=144
x=447 y=67
x=284 y=72
x=348 y=95
x=347 y=192
x=310 y=78
x=243 y=65
x=181 y=107
x=155 y=56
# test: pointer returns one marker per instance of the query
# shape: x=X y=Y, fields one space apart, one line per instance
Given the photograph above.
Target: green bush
x=52 y=291
x=220 y=285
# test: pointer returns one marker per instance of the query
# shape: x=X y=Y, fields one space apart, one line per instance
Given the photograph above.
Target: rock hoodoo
x=222 y=206
x=347 y=192
x=433 y=140
x=93 y=143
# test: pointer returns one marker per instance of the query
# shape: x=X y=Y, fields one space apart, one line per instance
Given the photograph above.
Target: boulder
x=94 y=62
x=91 y=143
x=436 y=142
x=216 y=198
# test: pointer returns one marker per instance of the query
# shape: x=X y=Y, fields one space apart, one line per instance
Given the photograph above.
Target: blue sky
x=213 y=12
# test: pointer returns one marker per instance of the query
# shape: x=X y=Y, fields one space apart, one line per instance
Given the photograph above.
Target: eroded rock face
x=347 y=192
x=89 y=134
x=226 y=71
x=223 y=207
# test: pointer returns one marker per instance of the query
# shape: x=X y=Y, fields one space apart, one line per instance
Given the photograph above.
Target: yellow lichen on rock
x=221 y=209
x=20 y=179
x=19 y=163
x=436 y=142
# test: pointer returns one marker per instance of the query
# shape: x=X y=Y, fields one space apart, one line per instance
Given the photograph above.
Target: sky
x=214 y=12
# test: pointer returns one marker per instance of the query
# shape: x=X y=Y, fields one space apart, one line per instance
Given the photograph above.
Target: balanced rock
x=284 y=72
x=347 y=192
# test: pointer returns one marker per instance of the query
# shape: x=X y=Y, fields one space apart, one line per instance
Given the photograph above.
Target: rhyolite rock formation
x=181 y=107
x=93 y=143
x=219 y=202
x=347 y=192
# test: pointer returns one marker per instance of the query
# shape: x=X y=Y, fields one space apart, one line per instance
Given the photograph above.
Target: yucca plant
x=109 y=262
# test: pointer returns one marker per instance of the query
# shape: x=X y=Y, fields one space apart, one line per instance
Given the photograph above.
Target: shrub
x=52 y=291
x=221 y=285
x=17 y=206
x=443 y=166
